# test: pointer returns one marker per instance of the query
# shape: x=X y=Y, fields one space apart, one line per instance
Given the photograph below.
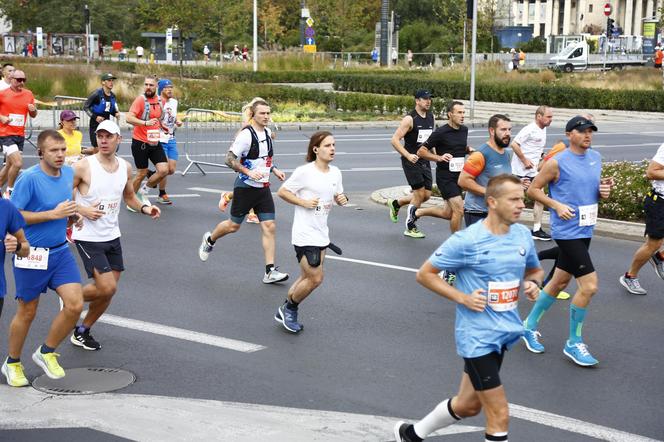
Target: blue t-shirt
x=11 y=221
x=494 y=164
x=35 y=191
x=495 y=263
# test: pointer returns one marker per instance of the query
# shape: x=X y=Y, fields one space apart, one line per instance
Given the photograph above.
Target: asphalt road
x=375 y=343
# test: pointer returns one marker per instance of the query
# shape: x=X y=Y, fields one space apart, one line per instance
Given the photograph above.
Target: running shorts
x=654 y=208
x=418 y=175
x=103 y=256
x=313 y=254
x=247 y=198
x=448 y=187
x=142 y=152
x=574 y=257
x=484 y=371
x=11 y=144
x=62 y=269
x=471 y=217
x=171 y=149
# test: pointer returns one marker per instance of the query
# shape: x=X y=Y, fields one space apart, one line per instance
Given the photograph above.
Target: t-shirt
x=15 y=106
x=308 y=182
x=446 y=139
x=168 y=120
x=556 y=149
x=11 y=221
x=263 y=163
x=139 y=51
x=483 y=164
x=495 y=263
x=532 y=140
x=35 y=191
x=658 y=185
x=147 y=134
x=73 y=142
x=4 y=85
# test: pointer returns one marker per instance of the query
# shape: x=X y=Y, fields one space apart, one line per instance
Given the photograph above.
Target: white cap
x=109 y=126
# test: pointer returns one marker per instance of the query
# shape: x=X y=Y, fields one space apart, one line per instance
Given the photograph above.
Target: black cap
x=580 y=123
x=423 y=93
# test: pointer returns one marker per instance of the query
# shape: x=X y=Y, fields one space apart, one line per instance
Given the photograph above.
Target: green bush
x=631 y=185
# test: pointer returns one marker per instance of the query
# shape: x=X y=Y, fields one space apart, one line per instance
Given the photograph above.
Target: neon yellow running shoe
x=414 y=233
x=394 y=213
x=49 y=363
x=14 y=374
x=563 y=295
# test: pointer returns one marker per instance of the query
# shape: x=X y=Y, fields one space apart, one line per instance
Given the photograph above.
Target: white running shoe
x=205 y=248
x=274 y=276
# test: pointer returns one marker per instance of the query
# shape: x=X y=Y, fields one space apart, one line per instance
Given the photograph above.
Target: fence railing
x=75 y=104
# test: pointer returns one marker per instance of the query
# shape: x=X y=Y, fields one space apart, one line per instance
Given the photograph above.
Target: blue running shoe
x=288 y=318
x=579 y=354
x=531 y=339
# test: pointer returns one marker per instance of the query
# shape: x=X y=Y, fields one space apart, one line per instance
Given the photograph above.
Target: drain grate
x=86 y=380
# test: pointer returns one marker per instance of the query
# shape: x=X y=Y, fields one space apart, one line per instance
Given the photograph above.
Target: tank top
x=107 y=188
x=494 y=164
x=422 y=128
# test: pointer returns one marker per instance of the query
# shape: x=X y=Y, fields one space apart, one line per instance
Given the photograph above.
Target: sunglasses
x=20 y=80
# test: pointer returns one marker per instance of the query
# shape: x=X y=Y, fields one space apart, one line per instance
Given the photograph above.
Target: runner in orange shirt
x=16 y=103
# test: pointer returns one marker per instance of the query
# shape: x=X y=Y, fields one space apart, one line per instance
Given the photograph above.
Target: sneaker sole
x=541 y=239
x=165 y=203
x=582 y=364
x=4 y=372
x=530 y=349
x=131 y=210
x=77 y=343
x=397 y=426
x=624 y=284
x=412 y=236
x=268 y=281
x=280 y=320
x=42 y=365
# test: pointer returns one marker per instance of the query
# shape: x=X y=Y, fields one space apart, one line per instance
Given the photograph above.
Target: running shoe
x=224 y=200
x=531 y=339
x=252 y=218
x=394 y=211
x=563 y=296
x=579 y=354
x=14 y=374
x=400 y=432
x=84 y=340
x=412 y=218
x=130 y=209
x=658 y=264
x=68 y=234
x=49 y=363
x=414 y=232
x=274 y=276
x=288 y=318
x=205 y=248
x=164 y=199
x=632 y=285
x=143 y=198
x=541 y=235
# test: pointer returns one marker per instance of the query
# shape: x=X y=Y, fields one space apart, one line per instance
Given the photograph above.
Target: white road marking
x=206 y=190
x=371 y=263
x=179 y=333
x=177 y=195
x=353 y=169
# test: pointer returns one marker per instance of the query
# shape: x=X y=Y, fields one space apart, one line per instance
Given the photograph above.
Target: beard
x=149 y=94
x=499 y=142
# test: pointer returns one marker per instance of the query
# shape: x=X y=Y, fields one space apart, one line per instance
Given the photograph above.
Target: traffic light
x=397 y=22
x=610 y=27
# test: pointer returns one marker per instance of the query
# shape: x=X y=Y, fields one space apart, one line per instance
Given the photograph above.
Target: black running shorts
x=471 y=217
x=418 y=175
x=103 y=256
x=574 y=256
x=247 y=198
x=12 y=139
x=142 y=152
x=484 y=371
x=312 y=253
x=448 y=186
x=654 y=208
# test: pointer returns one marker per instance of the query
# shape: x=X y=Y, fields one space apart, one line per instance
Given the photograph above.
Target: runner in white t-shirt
x=313 y=189
x=7 y=71
x=169 y=122
x=528 y=147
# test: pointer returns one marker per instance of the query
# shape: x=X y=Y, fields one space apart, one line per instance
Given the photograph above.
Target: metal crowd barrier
x=207 y=136
x=75 y=104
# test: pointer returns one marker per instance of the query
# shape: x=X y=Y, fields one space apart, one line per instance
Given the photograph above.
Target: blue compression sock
x=46 y=349
x=544 y=301
x=576 y=317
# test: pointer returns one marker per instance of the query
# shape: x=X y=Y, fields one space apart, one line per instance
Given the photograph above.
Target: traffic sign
x=607 y=9
x=310 y=22
x=311 y=49
x=309 y=41
x=309 y=32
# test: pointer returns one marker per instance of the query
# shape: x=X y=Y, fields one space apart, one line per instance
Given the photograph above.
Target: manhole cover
x=89 y=380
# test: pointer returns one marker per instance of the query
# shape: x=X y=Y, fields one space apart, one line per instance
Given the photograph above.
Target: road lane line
x=177 y=195
x=371 y=263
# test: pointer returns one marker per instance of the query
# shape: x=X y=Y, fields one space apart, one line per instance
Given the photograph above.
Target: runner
x=145 y=115
x=16 y=103
x=251 y=157
x=528 y=147
x=414 y=130
x=654 y=209
x=575 y=186
x=43 y=196
x=11 y=224
x=169 y=122
x=487 y=318
x=100 y=183
x=73 y=138
x=7 y=71
x=312 y=189
x=101 y=105
x=489 y=160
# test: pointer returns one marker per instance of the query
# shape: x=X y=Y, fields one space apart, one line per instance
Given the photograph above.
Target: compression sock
x=440 y=417
x=544 y=301
x=576 y=317
x=46 y=349
x=500 y=437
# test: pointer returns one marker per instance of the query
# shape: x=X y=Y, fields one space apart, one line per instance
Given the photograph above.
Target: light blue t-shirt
x=495 y=263
x=35 y=191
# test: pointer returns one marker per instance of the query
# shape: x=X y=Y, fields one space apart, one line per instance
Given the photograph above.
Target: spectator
x=409 y=58
x=139 y=53
x=374 y=55
x=515 y=59
x=206 y=53
x=395 y=57
x=657 y=58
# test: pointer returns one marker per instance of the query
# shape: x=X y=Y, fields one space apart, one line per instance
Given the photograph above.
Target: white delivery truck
x=576 y=57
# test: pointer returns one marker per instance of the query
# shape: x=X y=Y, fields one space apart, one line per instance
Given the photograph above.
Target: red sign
x=607 y=9
x=117 y=45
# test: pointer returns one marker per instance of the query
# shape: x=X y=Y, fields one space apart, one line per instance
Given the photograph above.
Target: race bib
x=588 y=215
x=110 y=206
x=503 y=295
x=153 y=136
x=323 y=208
x=16 y=120
x=456 y=164
x=265 y=171
x=423 y=135
x=37 y=259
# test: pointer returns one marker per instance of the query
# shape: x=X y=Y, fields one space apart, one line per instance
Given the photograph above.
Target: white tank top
x=107 y=188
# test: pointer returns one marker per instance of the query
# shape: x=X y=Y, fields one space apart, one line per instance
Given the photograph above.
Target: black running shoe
x=84 y=340
x=541 y=235
x=400 y=432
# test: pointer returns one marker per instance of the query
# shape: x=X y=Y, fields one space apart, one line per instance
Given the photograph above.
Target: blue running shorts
x=62 y=269
x=171 y=149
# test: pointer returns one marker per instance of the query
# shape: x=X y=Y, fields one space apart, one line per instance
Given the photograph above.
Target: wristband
x=143 y=207
x=18 y=247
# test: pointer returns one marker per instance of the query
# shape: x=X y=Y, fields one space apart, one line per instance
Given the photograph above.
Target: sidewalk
x=605 y=227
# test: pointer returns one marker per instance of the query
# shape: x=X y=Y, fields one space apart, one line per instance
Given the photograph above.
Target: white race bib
x=37 y=259
x=110 y=206
x=588 y=215
x=16 y=120
x=265 y=171
x=423 y=135
x=323 y=208
x=503 y=295
x=456 y=164
x=153 y=136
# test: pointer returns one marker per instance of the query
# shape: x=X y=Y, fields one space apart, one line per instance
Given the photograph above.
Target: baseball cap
x=108 y=76
x=163 y=83
x=579 y=123
x=109 y=126
x=68 y=115
x=422 y=93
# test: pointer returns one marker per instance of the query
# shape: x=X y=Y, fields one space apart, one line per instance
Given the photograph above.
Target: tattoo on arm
x=233 y=162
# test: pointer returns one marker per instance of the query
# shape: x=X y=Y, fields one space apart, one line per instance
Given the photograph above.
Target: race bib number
x=323 y=208
x=37 y=259
x=456 y=164
x=588 y=215
x=16 y=120
x=110 y=206
x=423 y=135
x=153 y=136
x=265 y=172
x=503 y=295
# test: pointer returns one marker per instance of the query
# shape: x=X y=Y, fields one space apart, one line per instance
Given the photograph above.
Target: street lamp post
x=473 y=56
x=255 y=35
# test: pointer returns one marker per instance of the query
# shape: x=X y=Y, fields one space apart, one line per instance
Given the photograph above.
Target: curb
x=605 y=227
